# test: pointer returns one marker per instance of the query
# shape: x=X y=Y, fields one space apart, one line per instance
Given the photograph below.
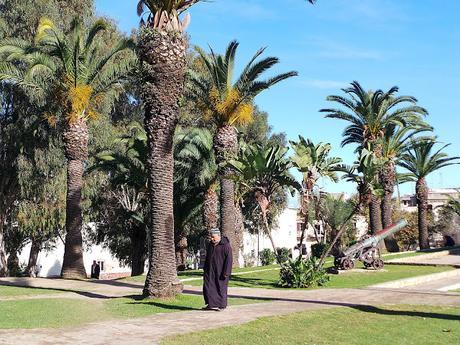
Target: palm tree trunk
x=421 y=192
x=33 y=256
x=375 y=216
x=76 y=151
x=3 y=263
x=226 y=146
x=163 y=58
x=210 y=211
x=239 y=231
x=138 y=254
x=269 y=234
x=387 y=179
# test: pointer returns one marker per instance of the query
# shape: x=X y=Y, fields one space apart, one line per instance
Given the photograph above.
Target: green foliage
x=422 y=159
x=284 y=254
x=317 y=249
x=223 y=100
x=372 y=113
x=302 y=273
x=267 y=257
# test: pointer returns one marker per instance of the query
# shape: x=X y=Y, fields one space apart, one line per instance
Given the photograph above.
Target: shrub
x=267 y=257
x=302 y=273
x=318 y=249
x=284 y=254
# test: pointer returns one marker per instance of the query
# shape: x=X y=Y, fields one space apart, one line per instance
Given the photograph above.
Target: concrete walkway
x=150 y=330
x=442 y=258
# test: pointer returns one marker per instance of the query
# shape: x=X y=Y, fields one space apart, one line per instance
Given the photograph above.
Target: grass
x=12 y=291
x=67 y=312
x=48 y=313
x=393 y=325
x=269 y=279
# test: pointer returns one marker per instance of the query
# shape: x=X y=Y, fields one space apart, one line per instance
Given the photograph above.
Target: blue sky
x=412 y=44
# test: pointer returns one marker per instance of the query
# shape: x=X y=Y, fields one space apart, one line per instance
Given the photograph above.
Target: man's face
x=215 y=239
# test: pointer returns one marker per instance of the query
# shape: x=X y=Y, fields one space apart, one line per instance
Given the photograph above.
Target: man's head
x=215 y=236
x=94 y=262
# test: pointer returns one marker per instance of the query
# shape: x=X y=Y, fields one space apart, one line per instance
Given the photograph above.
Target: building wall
x=49 y=263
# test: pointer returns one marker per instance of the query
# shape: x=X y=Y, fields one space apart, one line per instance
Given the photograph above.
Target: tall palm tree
x=73 y=74
x=162 y=49
x=395 y=142
x=421 y=161
x=228 y=103
x=313 y=162
x=263 y=172
x=372 y=114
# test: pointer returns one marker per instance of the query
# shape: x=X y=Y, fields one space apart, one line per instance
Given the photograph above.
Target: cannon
x=366 y=250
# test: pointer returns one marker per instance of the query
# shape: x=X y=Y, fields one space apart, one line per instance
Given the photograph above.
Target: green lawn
x=269 y=279
x=11 y=291
x=67 y=312
x=392 y=325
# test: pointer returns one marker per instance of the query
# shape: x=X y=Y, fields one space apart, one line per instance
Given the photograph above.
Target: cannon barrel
x=373 y=241
x=391 y=230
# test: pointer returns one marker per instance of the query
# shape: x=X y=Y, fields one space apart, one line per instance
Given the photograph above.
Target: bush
x=302 y=273
x=284 y=254
x=318 y=249
x=267 y=257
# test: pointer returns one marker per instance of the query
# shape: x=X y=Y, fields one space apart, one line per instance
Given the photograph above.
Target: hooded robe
x=217 y=271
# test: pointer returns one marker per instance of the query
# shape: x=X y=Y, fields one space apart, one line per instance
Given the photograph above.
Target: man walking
x=217 y=271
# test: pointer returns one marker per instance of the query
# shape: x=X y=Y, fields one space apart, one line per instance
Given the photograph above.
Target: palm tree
x=195 y=165
x=452 y=205
x=421 y=161
x=372 y=114
x=263 y=172
x=162 y=49
x=395 y=142
x=228 y=103
x=313 y=162
x=73 y=74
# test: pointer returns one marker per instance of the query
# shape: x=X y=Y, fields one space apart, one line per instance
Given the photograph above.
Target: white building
x=287 y=234
x=436 y=198
x=49 y=263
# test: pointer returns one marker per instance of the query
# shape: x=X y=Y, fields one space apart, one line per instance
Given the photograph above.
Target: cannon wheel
x=377 y=264
x=347 y=264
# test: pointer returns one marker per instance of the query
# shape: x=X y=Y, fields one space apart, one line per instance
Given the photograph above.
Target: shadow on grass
x=159 y=303
x=412 y=313
x=237 y=280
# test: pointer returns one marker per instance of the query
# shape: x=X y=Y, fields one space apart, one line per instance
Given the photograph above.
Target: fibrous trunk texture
x=181 y=253
x=421 y=192
x=76 y=151
x=210 y=211
x=387 y=179
x=163 y=58
x=375 y=215
x=35 y=248
x=226 y=147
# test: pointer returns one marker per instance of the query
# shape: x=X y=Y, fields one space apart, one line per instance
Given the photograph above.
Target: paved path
x=444 y=258
x=150 y=330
